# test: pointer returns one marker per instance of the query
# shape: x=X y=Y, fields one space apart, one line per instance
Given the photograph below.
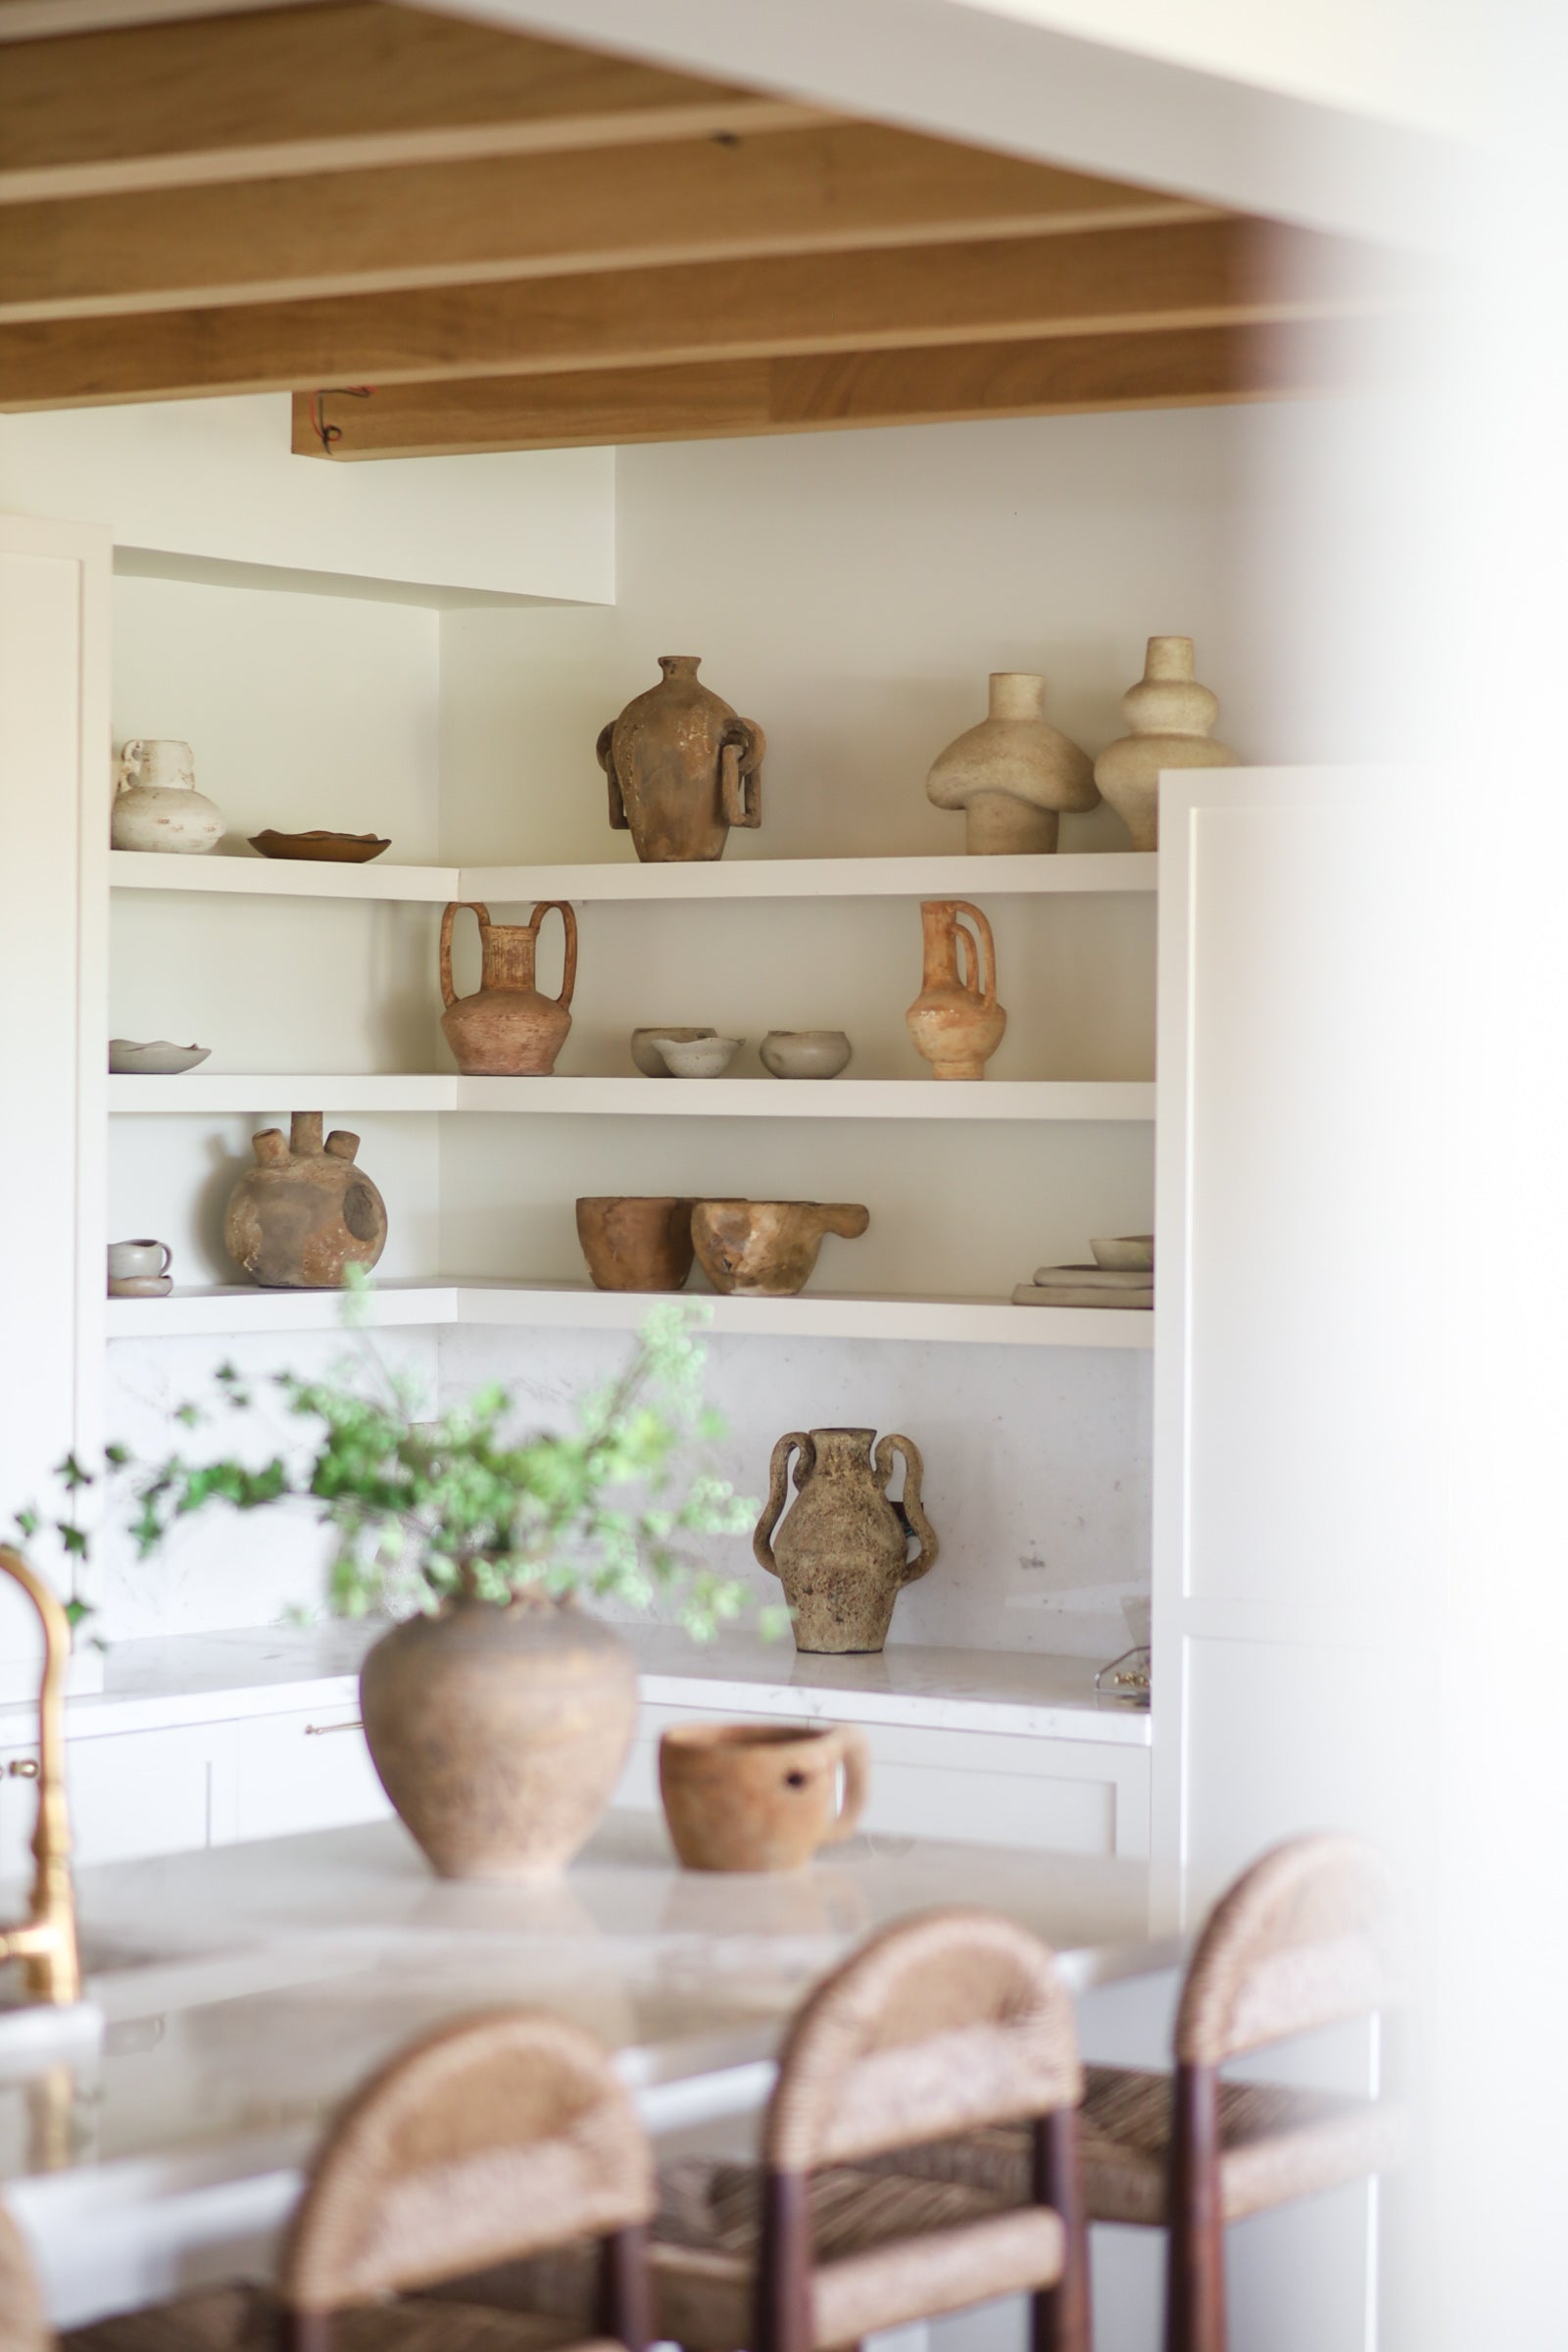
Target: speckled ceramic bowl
x=646 y=1055
x=805 y=1052
x=697 y=1057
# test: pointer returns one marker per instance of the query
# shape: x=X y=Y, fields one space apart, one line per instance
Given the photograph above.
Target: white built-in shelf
x=230 y=1310
x=199 y=1092
x=955 y=876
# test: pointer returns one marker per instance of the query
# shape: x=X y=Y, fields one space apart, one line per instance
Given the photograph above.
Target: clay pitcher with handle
x=955 y=1021
x=842 y=1554
x=507 y=1029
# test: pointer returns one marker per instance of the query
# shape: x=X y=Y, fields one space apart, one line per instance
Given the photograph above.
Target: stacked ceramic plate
x=1122 y=1275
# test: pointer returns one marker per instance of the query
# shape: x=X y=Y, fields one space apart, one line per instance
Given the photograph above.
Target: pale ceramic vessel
x=697 y=1057
x=1170 y=714
x=646 y=1055
x=1013 y=776
x=157 y=806
x=842 y=1553
x=805 y=1053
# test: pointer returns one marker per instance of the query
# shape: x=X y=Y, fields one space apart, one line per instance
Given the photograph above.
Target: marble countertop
x=272 y=1669
x=246 y=1990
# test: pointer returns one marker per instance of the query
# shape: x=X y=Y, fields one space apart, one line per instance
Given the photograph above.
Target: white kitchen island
x=247 y=1989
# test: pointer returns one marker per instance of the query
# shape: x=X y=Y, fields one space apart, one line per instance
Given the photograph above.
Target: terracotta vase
x=767 y=1248
x=499 y=1734
x=955 y=1021
x=682 y=768
x=157 y=806
x=1170 y=714
x=1013 y=776
x=509 y=1028
x=304 y=1212
x=636 y=1244
x=761 y=1796
x=842 y=1551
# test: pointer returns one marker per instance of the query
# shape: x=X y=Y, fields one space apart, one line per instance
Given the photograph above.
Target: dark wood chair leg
x=1194 y=2289
x=307 y=2331
x=1059 y=2316
x=784 y=2265
x=625 y=2289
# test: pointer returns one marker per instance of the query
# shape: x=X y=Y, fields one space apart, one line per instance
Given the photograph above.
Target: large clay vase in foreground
x=682 y=768
x=304 y=1214
x=955 y=1021
x=499 y=1734
x=1170 y=714
x=843 y=1551
x=509 y=1028
x=1013 y=776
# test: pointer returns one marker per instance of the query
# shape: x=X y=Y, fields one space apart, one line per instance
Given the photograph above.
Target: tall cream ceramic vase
x=1013 y=776
x=1170 y=716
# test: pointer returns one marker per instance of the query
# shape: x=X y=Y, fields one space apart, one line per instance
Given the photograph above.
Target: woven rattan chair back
x=937 y=2026
x=492 y=2139
x=22 y=2325
x=1302 y=1939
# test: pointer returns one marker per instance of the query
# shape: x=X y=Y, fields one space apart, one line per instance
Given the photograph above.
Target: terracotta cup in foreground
x=757 y=1796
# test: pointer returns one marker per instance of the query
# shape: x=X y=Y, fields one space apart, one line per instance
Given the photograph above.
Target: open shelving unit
x=645 y=1098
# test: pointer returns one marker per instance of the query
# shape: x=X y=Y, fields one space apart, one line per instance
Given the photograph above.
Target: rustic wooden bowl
x=767 y=1248
x=636 y=1242
x=322 y=848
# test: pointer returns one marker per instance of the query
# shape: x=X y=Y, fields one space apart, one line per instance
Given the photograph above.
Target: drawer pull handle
x=23 y=1768
x=318 y=1730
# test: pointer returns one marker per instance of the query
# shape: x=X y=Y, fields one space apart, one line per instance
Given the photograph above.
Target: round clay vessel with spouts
x=304 y=1212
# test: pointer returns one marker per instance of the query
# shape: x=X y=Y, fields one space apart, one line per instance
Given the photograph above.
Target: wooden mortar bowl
x=636 y=1242
x=767 y=1248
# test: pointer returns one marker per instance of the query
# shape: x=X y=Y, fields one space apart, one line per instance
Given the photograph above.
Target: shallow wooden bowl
x=322 y=848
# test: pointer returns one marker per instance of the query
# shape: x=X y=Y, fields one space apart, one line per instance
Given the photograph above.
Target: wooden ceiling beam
x=1127 y=281
x=346 y=86
x=1184 y=367
x=825 y=189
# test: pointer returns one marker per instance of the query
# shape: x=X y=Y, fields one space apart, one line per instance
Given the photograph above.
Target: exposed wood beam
x=1186 y=368
x=817 y=190
x=48 y=19
x=1129 y=281
x=351 y=85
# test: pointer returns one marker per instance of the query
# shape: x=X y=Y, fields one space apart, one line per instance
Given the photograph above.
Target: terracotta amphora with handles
x=955 y=1021
x=509 y=1028
x=843 y=1551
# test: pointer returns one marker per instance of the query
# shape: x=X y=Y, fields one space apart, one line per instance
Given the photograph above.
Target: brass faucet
x=45 y=1943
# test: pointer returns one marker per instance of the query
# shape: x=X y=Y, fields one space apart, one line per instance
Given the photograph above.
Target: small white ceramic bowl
x=697 y=1057
x=159 y=1060
x=1128 y=1254
x=805 y=1052
x=646 y=1055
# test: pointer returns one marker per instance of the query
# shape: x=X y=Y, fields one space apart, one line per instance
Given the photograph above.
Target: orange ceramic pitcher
x=955 y=1021
x=507 y=1029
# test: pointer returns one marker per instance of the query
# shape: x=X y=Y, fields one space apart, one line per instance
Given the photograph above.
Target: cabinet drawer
x=131 y=1794
x=1066 y=1796
x=304 y=1772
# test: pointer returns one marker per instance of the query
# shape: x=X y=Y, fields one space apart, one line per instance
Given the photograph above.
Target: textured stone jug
x=1013 y=776
x=682 y=768
x=509 y=1028
x=842 y=1552
x=499 y=1733
x=1170 y=714
x=304 y=1212
x=157 y=806
x=955 y=1021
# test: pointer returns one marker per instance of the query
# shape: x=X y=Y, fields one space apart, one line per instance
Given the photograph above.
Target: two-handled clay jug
x=955 y=1021
x=507 y=1029
x=682 y=768
x=843 y=1551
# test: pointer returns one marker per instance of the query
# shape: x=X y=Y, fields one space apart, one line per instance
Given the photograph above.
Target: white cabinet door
x=131 y=1794
x=304 y=1772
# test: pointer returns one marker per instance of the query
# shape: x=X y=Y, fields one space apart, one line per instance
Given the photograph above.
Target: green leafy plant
x=425 y=1510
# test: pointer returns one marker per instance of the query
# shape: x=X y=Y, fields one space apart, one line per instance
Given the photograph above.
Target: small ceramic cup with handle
x=760 y=1795
x=138 y=1261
